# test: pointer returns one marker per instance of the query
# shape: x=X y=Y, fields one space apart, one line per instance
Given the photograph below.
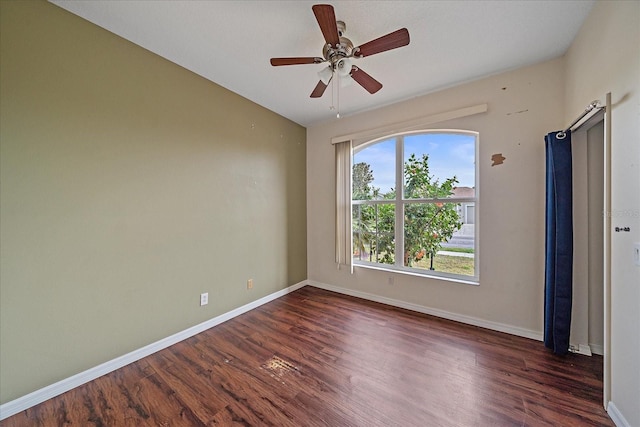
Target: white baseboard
x=617 y=417
x=25 y=402
x=22 y=403
x=495 y=326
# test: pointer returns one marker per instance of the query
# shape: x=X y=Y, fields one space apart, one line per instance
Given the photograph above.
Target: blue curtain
x=558 y=243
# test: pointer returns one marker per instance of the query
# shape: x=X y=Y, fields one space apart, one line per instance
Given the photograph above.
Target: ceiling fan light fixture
x=343 y=67
x=325 y=75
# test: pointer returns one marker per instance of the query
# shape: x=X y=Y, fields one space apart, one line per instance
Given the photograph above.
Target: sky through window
x=449 y=154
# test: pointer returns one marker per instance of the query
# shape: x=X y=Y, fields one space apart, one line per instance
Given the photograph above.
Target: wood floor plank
x=317 y=358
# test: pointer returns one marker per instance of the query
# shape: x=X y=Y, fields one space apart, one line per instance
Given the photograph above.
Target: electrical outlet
x=250 y=284
x=636 y=253
x=204 y=298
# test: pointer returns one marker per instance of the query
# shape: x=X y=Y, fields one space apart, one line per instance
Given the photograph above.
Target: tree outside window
x=433 y=235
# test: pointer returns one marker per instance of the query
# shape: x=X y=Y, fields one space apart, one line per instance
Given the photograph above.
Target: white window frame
x=400 y=202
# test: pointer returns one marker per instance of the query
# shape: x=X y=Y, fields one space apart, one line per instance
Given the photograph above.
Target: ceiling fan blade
x=365 y=80
x=327 y=21
x=276 y=62
x=319 y=90
x=393 y=40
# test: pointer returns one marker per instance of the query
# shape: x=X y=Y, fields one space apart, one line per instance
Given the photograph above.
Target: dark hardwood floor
x=316 y=358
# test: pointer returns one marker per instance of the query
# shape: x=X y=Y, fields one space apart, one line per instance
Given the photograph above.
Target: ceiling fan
x=339 y=52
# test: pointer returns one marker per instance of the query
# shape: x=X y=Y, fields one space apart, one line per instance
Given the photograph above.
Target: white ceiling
x=231 y=42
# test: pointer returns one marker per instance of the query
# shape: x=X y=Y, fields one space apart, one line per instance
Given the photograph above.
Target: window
x=413 y=203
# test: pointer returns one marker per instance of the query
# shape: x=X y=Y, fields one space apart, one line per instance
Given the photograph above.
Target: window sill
x=465 y=280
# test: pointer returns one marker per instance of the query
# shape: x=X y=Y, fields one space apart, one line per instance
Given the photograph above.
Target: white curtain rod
x=594 y=107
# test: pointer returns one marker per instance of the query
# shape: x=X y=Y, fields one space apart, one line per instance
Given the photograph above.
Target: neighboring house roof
x=464 y=192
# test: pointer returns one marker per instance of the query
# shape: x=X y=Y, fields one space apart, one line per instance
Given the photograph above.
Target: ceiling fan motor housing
x=344 y=49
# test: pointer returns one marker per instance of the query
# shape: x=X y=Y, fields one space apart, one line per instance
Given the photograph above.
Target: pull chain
x=338 y=94
x=332 y=106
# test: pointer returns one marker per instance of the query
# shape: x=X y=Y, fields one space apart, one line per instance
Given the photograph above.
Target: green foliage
x=364 y=216
x=386 y=235
x=362 y=179
x=427 y=225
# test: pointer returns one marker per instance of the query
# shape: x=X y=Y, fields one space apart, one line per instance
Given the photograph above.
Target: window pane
x=436 y=237
x=436 y=202
x=374 y=171
x=439 y=165
x=373 y=233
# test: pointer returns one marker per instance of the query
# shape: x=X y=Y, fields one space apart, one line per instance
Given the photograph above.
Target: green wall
x=129 y=185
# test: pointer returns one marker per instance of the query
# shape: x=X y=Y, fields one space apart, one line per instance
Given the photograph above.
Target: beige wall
x=523 y=106
x=605 y=57
x=128 y=187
